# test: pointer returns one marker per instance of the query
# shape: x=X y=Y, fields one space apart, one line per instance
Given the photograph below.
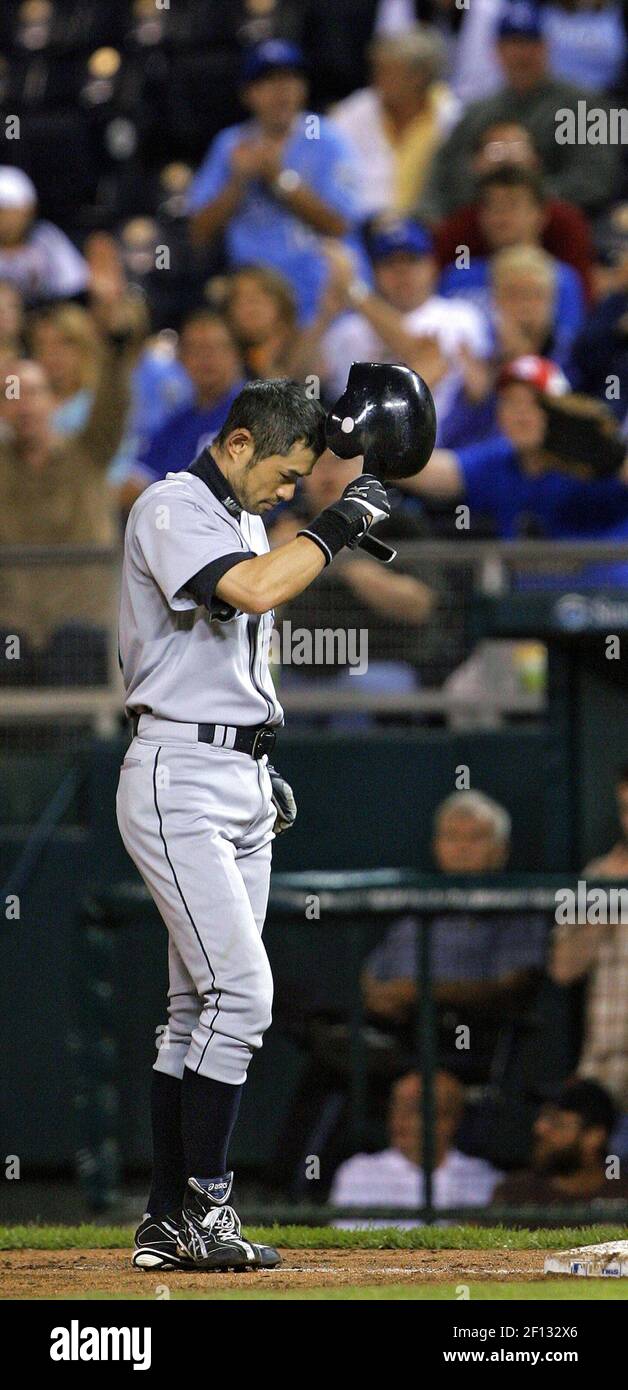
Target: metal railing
x=490 y=568
x=97 y=705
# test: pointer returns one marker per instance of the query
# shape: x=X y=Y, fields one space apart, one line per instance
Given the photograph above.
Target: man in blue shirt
x=275 y=182
x=510 y=479
x=210 y=357
x=485 y=967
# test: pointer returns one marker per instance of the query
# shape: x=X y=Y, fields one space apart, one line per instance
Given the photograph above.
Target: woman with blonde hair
x=523 y=282
x=64 y=341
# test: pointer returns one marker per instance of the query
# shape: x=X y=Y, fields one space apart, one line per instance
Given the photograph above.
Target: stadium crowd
x=280 y=189
x=197 y=194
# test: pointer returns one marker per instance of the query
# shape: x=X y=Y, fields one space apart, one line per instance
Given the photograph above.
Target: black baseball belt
x=256 y=740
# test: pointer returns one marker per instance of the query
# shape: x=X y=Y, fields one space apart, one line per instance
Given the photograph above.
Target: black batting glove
x=283 y=801
x=363 y=503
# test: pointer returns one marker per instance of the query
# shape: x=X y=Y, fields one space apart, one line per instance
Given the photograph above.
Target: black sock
x=209 y=1110
x=166 y=1193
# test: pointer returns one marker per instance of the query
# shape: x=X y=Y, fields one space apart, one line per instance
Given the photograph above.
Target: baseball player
x=198 y=801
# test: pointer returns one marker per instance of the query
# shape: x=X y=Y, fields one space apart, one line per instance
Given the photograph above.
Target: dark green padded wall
x=602 y=748
x=363 y=803
x=368 y=802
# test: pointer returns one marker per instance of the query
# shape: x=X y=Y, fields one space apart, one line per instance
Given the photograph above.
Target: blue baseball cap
x=408 y=237
x=271 y=56
x=520 y=20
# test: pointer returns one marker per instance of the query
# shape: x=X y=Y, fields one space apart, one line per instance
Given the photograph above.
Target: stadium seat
x=59 y=26
x=55 y=149
x=202 y=98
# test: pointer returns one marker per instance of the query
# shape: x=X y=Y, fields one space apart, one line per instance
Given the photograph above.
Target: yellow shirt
x=414 y=147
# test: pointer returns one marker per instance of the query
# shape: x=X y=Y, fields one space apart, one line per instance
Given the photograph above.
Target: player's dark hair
x=277 y=413
x=512 y=176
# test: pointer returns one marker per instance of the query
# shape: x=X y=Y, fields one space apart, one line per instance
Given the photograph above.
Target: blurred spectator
x=175 y=179
x=526 y=317
x=610 y=271
x=564 y=232
x=270 y=185
x=523 y=283
x=160 y=386
x=398 y=122
x=138 y=242
x=390 y=606
x=599 y=361
x=587 y=42
x=598 y=953
x=54 y=492
x=403 y=319
x=209 y=355
x=35 y=256
x=394 y=1177
x=158 y=258
x=65 y=342
x=485 y=968
x=476 y=71
x=571 y=1143
x=260 y=307
x=583 y=173
x=511 y=212
x=514 y=482
x=614 y=864
x=599 y=358
x=11 y=324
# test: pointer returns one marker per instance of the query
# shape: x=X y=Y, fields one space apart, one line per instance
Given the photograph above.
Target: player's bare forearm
x=258 y=585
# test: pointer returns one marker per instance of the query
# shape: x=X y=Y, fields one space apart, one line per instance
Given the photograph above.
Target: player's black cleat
x=210 y=1234
x=156 y=1244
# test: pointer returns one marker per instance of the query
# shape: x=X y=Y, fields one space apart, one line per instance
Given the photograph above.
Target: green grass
x=328 y=1237
x=554 y=1291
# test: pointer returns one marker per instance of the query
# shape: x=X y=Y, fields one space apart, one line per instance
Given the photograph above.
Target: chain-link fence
x=397 y=643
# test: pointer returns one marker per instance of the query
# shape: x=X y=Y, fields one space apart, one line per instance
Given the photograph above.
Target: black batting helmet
x=387 y=414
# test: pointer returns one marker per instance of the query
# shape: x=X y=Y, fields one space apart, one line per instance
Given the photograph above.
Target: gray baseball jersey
x=179 y=661
x=197 y=818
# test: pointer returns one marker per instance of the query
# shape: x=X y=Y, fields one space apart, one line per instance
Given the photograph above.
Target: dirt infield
x=83 y=1273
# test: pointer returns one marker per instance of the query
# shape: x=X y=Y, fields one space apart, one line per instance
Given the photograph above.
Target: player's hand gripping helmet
x=387 y=414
